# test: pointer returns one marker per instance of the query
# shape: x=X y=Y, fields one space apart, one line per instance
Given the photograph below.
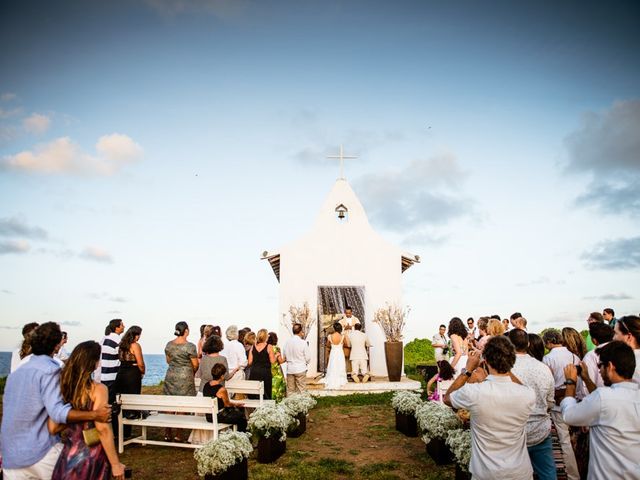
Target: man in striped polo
x=110 y=363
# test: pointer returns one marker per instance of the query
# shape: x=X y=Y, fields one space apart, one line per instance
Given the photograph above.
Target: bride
x=336 y=375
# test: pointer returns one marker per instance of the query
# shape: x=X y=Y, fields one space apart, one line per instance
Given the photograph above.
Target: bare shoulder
x=99 y=393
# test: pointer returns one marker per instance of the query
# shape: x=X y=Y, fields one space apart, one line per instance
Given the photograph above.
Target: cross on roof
x=342 y=157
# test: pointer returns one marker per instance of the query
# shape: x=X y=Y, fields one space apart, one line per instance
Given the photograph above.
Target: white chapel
x=340 y=262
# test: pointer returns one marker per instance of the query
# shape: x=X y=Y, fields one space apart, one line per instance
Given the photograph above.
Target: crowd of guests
x=518 y=385
x=49 y=391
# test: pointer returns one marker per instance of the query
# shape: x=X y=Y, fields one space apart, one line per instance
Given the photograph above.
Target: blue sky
x=151 y=150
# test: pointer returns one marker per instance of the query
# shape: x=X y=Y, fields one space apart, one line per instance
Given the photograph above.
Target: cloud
x=8 y=96
x=538 y=281
x=424 y=193
x=424 y=239
x=8 y=292
x=607 y=146
x=63 y=156
x=8 y=113
x=223 y=9
x=71 y=323
x=610 y=296
x=620 y=254
x=6 y=327
x=36 y=123
x=96 y=254
x=15 y=226
x=14 y=246
x=108 y=297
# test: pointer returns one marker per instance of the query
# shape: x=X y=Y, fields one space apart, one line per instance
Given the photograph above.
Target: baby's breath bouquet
x=435 y=420
x=405 y=402
x=298 y=403
x=392 y=320
x=270 y=420
x=459 y=441
x=219 y=455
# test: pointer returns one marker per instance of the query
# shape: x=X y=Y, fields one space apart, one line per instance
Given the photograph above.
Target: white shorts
x=43 y=470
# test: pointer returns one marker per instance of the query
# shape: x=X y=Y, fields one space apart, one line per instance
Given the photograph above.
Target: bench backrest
x=169 y=403
x=255 y=387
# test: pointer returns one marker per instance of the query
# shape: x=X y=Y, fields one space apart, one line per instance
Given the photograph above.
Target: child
x=443 y=380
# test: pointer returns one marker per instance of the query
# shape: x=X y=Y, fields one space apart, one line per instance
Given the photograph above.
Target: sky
x=151 y=150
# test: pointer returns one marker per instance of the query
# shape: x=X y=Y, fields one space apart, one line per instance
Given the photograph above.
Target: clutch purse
x=91 y=436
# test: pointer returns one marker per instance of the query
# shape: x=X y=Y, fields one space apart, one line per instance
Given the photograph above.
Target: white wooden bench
x=248 y=387
x=158 y=405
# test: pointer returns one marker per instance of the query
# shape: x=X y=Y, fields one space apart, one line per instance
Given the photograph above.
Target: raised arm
x=100 y=395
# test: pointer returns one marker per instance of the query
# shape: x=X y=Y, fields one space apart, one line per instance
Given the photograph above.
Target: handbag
x=91 y=436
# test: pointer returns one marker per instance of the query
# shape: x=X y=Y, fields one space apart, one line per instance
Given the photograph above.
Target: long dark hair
x=445 y=370
x=128 y=339
x=536 y=346
x=75 y=378
x=27 y=335
x=457 y=327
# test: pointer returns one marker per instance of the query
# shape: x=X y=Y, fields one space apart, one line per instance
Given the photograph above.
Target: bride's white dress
x=336 y=375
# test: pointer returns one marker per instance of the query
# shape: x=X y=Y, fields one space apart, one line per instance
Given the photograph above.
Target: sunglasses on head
x=623 y=326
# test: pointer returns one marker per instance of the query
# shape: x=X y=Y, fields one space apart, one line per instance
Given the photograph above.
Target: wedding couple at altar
x=348 y=344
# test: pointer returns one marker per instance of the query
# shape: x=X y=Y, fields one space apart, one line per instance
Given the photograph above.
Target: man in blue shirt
x=31 y=396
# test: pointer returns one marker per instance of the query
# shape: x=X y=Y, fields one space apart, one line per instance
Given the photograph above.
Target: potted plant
x=459 y=441
x=298 y=406
x=270 y=424
x=405 y=403
x=392 y=320
x=225 y=458
x=435 y=420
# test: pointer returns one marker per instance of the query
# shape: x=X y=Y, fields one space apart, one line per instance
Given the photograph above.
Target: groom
x=359 y=357
x=348 y=321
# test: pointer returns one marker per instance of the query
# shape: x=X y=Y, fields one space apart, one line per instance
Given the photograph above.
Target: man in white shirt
x=500 y=407
x=537 y=376
x=235 y=353
x=439 y=344
x=297 y=355
x=558 y=358
x=601 y=334
x=471 y=328
x=612 y=414
x=358 y=356
x=627 y=330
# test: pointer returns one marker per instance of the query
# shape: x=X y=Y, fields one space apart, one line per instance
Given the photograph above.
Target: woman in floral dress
x=79 y=461
x=182 y=357
x=278 y=383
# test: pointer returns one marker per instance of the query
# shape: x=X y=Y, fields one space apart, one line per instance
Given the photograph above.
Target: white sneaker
x=355 y=378
x=365 y=379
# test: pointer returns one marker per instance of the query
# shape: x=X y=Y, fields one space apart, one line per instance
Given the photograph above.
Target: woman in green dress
x=278 y=383
x=182 y=357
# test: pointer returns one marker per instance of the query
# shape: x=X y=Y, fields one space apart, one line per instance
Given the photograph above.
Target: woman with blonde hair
x=495 y=328
x=80 y=458
x=261 y=356
x=574 y=342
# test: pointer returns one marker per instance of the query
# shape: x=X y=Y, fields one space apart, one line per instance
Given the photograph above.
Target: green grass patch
x=334 y=465
x=355 y=400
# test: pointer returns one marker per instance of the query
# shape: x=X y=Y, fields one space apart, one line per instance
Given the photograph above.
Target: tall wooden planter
x=270 y=449
x=239 y=471
x=301 y=428
x=439 y=451
x=461 y=474
x=406 y=424
x=393 y=356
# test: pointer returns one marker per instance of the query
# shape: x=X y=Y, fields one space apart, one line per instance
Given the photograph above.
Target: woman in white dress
x=459 y=344
x=336 y=375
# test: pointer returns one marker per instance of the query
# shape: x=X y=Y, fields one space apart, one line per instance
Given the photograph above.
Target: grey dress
x=206 y=364
x=179 y=377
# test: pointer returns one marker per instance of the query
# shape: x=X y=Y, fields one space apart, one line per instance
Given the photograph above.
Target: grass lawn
x=347 y=437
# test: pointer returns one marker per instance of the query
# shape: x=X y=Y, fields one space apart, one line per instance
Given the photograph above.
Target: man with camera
x=440 y=344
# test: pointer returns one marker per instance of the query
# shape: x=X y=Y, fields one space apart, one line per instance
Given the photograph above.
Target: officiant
x=348 y=321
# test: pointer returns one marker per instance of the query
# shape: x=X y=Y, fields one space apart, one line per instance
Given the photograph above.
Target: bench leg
x=120 y=433
x=144 y=434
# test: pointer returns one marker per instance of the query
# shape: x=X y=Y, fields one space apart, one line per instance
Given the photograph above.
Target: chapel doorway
x=332 y=300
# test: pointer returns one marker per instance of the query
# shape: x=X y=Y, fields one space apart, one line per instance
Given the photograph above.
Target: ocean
x=156 y=367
